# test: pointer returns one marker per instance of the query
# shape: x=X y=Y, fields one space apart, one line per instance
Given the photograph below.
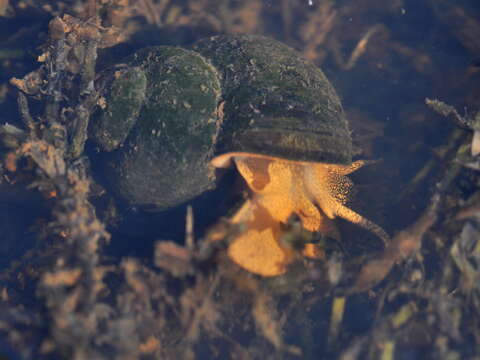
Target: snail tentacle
x=352 y=216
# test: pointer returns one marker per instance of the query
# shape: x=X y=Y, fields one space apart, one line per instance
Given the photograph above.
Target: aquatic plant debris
x=67 y=295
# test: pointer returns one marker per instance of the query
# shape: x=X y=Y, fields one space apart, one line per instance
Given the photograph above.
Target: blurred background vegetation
x=83 y=281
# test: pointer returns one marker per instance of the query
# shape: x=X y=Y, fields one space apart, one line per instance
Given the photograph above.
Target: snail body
x=172 y=115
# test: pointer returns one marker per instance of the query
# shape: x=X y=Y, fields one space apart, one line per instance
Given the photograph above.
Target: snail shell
x=160 y=125
x=276 y=103
x=170 y=110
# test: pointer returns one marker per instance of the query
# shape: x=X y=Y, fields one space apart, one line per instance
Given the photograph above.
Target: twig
x=189 y=240
x=447 y=110
x=24 y=112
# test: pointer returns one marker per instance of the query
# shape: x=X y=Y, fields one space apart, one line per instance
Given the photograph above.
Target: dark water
x=423 y=50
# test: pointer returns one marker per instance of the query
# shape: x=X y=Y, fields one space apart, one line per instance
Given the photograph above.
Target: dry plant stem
x=83 y=111
x=150 y=12
x=200 y=312
x=317 y=28
x=263 y=311
x=77 y=39
x=469 y=211
x=359 y=50
x=24 y=113
x=336 y=318
x=88 y=95
x=456 y=138
x=354 y=350
x=362 y=45
x=464 y=25
x=74 y=298
x=189 y=234
x=72 y=283
x=447 y=110
x=271 y=328
x=55 y=68
x=92 y=8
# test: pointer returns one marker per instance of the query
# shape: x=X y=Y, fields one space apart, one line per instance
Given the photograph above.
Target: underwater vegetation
x=174 y=175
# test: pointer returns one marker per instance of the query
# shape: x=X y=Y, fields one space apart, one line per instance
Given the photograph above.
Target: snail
x=173 y=115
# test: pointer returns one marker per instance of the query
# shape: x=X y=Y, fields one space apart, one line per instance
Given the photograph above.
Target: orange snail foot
x=258 y=249
x=315 y=192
